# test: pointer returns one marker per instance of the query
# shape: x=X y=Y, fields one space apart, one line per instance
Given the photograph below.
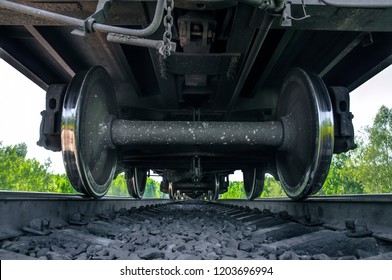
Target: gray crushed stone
x=180 y=231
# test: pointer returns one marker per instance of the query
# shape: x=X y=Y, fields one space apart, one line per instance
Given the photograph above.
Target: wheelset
x=302 y=137
x=305 y=109
x=89 y=104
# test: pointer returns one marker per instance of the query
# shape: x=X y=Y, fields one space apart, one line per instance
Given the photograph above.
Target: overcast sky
x=21 y=102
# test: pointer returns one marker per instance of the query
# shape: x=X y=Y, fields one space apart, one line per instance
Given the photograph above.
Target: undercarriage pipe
x=359 y=3
x=41 y=13
x=149 y=30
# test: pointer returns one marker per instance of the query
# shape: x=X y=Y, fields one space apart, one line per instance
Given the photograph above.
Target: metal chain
x=165 y=50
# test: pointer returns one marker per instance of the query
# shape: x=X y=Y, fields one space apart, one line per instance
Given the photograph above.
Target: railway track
x=71 y=227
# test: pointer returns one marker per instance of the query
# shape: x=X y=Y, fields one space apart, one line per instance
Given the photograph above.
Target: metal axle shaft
x=125 y=132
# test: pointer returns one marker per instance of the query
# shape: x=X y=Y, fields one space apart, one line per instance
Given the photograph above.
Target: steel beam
x=258 y=43
x=66 y=72
x=288 y=35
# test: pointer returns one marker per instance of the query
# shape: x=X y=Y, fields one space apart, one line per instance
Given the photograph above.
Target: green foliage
x=272 y=188
x=235 y=190
x=343 y=176
x=17 y=173
x=375 y=164
x=152 y=189
x=368 y=168
x=119 y=187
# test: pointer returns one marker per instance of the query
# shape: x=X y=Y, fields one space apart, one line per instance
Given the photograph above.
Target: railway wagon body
x=196 y=89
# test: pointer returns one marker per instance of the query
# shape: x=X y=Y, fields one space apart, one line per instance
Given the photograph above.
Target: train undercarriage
x=195 y=90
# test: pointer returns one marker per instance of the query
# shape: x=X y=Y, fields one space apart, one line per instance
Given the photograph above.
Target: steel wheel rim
x=305 y=108
x=136 y=182
x=171 y=192
x=253 y=182
x=217 y=185
x=90 y=165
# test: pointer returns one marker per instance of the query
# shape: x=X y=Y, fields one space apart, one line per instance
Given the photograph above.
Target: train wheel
x=217 y=185
x=253 y=182
x=136 y=182
x=164 y=186
x=89 y=102
x=305 y=109
x=171 y=192
x=210 y=195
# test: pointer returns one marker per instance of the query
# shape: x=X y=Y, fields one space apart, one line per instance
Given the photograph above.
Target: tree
x=235 y=190
x=152 y=189
x=272 y=188
x=343 y=175
x=17 y=173
x=119 y=186
x=375 y=169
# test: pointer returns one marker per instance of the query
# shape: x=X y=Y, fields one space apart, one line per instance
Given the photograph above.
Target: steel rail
x=18 y=209
x=19 y=195
x=333 y=211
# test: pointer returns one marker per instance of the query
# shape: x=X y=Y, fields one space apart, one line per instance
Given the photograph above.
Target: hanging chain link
x=166 y=49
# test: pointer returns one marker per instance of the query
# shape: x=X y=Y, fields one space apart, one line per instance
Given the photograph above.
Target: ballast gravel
x=179 y=231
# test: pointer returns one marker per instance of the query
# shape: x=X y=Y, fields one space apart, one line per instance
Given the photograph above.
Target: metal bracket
x=50 y=129
x=100 y=16
x=196 y=171
x=275 y=6
x=286 y=18
x=344 y=130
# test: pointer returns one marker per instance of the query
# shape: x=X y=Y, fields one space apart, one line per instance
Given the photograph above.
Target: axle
x=125 y=132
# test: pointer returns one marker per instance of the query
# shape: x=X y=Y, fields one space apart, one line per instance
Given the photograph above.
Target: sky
x=21 y=102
